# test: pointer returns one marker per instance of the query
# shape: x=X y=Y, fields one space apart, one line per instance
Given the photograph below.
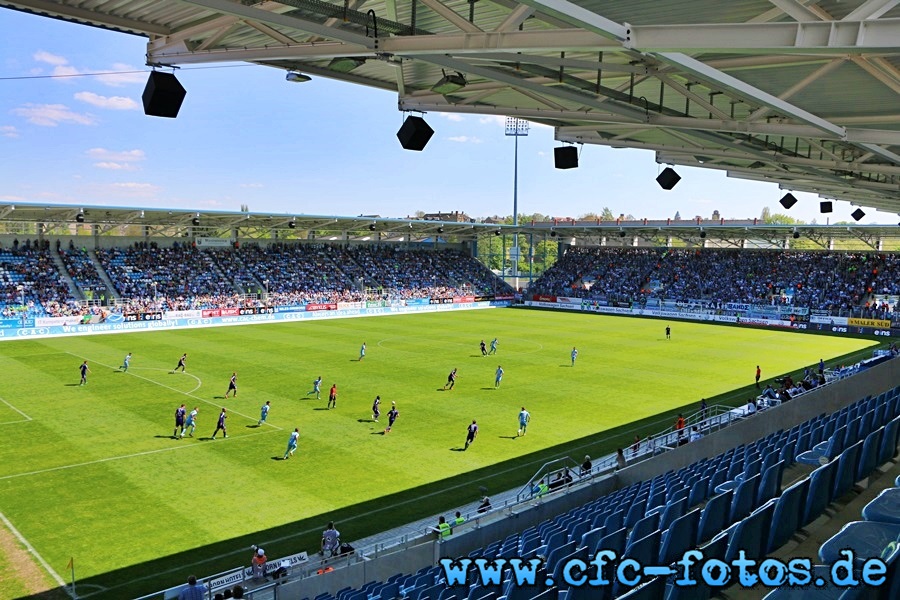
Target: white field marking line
x=25 y=420
x=199 y=383
x=30 y=548
x=188 y=394
x=180 y=569
x=124 y=456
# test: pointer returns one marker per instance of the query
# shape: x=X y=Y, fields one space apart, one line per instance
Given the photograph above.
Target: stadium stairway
x=74 y=290
x=103 y=276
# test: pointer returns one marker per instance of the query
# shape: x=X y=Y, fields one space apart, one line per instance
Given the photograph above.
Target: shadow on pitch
x=567 y=365
x=457 y=449
x=252 y=426
x=73 y=385
x=322 y=408
x=366 y=421
x=507 y=437
x=489 y=388
x=377 y=433
x=477 y=355
x=278 y=458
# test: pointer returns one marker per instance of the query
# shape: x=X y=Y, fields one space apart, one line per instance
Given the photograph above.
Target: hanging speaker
x=788 y=200
x=668 y=178
x=857 y=214
x=825 y=207
x=163 y=95
x=415 y=133
x=565 y=157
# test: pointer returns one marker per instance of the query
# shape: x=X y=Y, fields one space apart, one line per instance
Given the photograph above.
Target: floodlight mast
x=516 y=128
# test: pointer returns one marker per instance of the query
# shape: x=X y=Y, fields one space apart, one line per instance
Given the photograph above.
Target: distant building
x=452 y=217
x=716 y=216
x=677 y=216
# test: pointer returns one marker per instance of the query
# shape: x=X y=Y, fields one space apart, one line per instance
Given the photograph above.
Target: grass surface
x=93 y=472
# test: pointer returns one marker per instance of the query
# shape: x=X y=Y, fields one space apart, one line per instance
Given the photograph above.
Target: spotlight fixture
x=796 y=235
x=449 y=83
x=440 y=229
x=857 y=214
x=371 y=226
x=195 y=222
x=702 y=234
x=292 y=223
x=668 y=178
x=552 y=233
x=621 y=234
x=79 y=218
x=497 y=232
x=414 y=133
x=295 y=77
x=825 y=206
x=788 y=200
x=345 y=64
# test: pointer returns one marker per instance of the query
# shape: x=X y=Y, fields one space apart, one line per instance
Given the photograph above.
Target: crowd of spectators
x=831 y=281
x=30 y=265
x=151 y=278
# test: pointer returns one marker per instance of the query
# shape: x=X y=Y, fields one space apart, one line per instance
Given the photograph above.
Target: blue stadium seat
x=821 y=484
x=867 y=539
x=678 y=538
x=615 y=521
x=644 y=527
x=645 y=551
x=845 y=475
x=698 y=492
x=591 y=539
x=868 y=456
x=888 y=447
x=787 y=514
x=614 y=541
x=744 y=499
x=635 y=513
x=749 y=534
x=714 y=516
x=828 y=450
x=390 y=591
x=770 y=485
x=672 y=512
x=885 y=508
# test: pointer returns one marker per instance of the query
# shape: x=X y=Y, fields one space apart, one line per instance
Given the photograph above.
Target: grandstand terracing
x=183 y=276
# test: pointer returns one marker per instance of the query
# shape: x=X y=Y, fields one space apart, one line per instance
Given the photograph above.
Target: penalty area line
x=124 y=456
x=25 y=420
x=188 y=394
x=30 y=548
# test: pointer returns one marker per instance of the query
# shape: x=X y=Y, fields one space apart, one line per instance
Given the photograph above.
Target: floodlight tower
x=516 y=128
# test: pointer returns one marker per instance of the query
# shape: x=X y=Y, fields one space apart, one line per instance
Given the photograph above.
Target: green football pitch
x=93 y=473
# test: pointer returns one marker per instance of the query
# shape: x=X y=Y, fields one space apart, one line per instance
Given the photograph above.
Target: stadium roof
x=802 y=93
x=59 y=219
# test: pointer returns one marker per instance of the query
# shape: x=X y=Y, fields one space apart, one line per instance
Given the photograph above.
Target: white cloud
x=65 y=71
x=493 y=120
x=9 y=131
x=12 y=198
x=135 y=186
x=51 y=115
x=123 y=156
x=452 y=117
x=110 y=102
x=464 y=139
x=117 y=75
x=126 y=75
x=114 y=166
x=52 y=59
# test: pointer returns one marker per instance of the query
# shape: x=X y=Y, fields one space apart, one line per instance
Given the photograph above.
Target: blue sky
x=246 y=136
